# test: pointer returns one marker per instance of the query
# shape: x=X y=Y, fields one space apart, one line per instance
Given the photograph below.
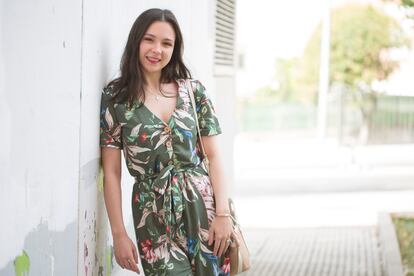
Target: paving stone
x=341 y=251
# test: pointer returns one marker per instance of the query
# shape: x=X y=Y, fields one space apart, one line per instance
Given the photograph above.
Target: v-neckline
x=177 y=102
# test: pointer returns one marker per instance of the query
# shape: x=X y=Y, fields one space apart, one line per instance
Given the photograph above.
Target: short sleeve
x=110 y=128
x=207 y=117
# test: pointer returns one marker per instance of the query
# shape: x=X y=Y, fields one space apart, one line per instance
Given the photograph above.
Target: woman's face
x=156 y=47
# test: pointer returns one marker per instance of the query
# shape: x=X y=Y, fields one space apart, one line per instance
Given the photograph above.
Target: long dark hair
x=129 y=87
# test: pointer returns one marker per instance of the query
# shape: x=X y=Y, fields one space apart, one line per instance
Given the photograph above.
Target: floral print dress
x=172 y=199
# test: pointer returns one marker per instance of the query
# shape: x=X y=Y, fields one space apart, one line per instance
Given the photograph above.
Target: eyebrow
x=155 y=36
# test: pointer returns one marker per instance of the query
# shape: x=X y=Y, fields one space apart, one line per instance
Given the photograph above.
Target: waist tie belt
x=171 y=192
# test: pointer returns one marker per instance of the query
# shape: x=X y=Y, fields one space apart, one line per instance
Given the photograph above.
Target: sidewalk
x=317 y=234
x=310 y=208
x=346 y=251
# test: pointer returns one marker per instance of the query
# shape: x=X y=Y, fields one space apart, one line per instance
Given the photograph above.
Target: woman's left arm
x=221 y=227
x=217 y=175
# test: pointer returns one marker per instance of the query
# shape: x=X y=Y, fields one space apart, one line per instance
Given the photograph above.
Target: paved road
x=345 y=251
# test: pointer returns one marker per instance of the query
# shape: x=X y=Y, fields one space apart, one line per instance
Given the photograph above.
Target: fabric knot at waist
x=161 y=180
x=172 y=197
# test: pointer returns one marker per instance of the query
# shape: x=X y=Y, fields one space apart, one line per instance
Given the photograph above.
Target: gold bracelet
x=223 y=215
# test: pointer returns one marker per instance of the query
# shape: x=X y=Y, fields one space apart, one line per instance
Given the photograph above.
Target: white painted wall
x=54 y=60
x=39 y=115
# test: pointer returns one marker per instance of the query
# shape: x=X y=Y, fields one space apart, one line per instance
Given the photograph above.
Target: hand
x=221 y=231
x=125 y=252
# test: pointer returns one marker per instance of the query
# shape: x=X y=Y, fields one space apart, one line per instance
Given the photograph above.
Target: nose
x=157 y=48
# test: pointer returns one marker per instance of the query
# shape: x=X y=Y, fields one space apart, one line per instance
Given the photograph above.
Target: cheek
x=141 y=57
x=144 y=48
x=168 y=53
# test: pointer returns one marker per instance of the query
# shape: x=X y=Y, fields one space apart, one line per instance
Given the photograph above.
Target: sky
x=270 y=29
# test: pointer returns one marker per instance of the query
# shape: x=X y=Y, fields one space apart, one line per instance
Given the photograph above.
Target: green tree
x=362 y=38
x=286 y=78
x=407 y=5
x=283 y=87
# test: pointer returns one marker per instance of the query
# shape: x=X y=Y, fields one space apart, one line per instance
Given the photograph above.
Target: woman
x=180 y=213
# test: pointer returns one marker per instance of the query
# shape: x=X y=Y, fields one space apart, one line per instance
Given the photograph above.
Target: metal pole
x=324 y=72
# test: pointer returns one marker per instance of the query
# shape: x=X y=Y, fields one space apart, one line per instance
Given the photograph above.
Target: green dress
x=172 y=199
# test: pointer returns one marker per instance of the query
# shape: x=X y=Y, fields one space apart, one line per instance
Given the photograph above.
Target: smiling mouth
x=153 y=60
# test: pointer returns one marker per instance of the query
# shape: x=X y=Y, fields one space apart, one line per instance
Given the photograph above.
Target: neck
x=153 y=81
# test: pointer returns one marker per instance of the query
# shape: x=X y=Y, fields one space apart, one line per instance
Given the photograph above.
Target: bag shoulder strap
x=191 y=93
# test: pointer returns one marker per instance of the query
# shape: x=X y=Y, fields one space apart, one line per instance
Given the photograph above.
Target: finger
x=125 y=264
x=226 y=248
x=229 y=245
x=210 y=236
x=235 y=240
x=129 y=259
x=118 y=262
x=135 y=252
x=223 y=245
x=133 y=266
x=216 y=247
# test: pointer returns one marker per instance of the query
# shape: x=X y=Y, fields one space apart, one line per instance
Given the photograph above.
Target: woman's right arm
x=123 y=246
x=111 y=162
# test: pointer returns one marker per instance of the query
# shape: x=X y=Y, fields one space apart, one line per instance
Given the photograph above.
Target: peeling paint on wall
x=109 y=260
x=45 y=252
x=22 y=264
x=97 y=255
x=85 y=254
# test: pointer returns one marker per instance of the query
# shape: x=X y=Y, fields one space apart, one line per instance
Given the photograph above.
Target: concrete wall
x=54 y=59
x=40 y=118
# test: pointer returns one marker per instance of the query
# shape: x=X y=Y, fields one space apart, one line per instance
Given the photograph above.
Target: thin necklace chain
x=157 y=96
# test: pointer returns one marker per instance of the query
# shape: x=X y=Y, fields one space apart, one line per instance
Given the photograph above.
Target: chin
x=152 y=70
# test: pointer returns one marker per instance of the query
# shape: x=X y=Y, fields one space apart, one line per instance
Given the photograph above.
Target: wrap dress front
x=172 y=199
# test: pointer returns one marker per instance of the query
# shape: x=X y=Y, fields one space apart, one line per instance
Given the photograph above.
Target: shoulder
x=108 y=91
x=110 y=94
x=197 y=86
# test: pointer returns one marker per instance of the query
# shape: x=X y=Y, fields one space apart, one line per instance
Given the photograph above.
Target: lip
x=153 y=60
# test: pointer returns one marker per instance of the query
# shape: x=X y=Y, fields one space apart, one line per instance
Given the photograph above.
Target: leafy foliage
x=362 y=41
x=362 y=38
x=405 y=234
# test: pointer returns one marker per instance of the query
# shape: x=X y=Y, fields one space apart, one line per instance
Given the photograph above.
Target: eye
x=148 y=39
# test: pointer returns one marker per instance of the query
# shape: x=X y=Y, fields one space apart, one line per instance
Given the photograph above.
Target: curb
x=390 y=249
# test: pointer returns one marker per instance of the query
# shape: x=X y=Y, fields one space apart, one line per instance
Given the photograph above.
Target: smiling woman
x=180 y=210
x=156 y=47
